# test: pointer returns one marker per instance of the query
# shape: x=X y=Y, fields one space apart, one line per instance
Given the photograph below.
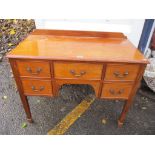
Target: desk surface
x=78 y=46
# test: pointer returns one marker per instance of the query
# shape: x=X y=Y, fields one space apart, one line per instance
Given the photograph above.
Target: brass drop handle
x=117 y=74
x=38 y=70
x=112 y=91
x=77 y=75
x=37 y=90
x=121 y=91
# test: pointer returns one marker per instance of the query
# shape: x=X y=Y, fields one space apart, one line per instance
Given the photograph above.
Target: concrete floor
x=47 y=112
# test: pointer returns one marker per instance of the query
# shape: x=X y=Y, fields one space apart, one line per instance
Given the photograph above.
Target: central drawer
x=77 y=70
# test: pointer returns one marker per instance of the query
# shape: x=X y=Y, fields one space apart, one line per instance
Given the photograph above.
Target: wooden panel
x=37 y=87
x=77 y=70
x=121 y=72
x=82 y=46
x=116 y=90
x=129 y=102
x=78 y=33
x=20 y=90
x=34 y=68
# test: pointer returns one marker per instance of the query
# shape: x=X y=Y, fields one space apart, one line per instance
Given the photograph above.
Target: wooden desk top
x=78 y=46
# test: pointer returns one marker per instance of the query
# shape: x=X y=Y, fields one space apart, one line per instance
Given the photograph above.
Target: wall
x=131 y=28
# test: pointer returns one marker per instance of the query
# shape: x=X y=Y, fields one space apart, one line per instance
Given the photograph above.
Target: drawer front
x=37 y=87
x=121 y=72
x=77 y=70
x=116 y=90
x=34 y=68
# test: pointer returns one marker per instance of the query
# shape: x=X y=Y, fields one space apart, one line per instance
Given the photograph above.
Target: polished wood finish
x=78 y=48
x=84 y=34
x=34 y=68
x=37 y=87
x=129 y=102
x=121 y=72
x=48 y=59
x=21 y=92
x=77 y=70
x=116 y=90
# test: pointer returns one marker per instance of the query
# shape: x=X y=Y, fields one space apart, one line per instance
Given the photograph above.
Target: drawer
x=121 y=71
x=37 y=87
x=116 y=90
x=33 y=68
x=77 y=70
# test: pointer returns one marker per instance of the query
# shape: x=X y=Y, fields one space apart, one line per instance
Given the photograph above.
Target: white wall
x=131 y=28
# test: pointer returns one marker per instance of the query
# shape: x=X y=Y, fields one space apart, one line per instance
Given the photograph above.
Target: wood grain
x=78 y=47
x=77 y=70
x=129 y=102
x=106 y=61
x=121 y=72
x=116 y=90
x=21 y=91
x=36 y=68
x=37 y=87
x=74 y=33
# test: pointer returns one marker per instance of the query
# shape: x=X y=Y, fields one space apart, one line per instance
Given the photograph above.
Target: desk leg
x=26 y=108
x=133 y=93
x=56 y=88
x=20 y=89
x=124 y=112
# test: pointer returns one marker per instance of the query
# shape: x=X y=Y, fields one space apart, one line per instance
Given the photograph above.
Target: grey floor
x=47 y=112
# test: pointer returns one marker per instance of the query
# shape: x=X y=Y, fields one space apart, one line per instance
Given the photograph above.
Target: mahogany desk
x=47 y=59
